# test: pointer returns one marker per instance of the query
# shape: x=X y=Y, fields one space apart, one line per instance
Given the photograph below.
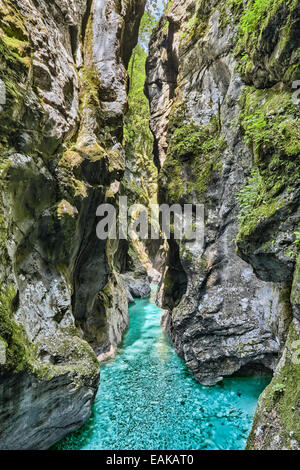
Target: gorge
x=148 y=400
x=221 y=82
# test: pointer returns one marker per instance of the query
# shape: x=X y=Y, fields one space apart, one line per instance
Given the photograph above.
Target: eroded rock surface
x=63 y=64
x=226 y=134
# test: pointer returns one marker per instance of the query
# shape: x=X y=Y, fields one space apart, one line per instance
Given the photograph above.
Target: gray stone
x=63 y=152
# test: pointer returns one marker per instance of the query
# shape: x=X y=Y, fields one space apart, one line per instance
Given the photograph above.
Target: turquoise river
x=148 y=400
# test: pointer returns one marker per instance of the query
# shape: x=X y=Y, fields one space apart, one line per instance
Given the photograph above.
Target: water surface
x=147 y=399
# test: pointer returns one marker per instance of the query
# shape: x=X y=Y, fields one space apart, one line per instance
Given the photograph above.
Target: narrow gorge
x=185 y=102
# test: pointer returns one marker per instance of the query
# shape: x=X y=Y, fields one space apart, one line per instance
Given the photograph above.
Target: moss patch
x=197 y=147
x=268 y=28
x=295 y=295
x=18 y=351
x=272 y=128
x=281 y=400
x=89 y=91
x=15 y=63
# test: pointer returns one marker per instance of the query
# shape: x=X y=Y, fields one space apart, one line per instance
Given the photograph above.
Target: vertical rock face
x=63 y=69
x=226 y=128
x=139 y=184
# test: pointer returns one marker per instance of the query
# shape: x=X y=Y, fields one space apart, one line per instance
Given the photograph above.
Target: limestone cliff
x=139 y=185
x=63 y=66
x=226 y=128
x=225 y=121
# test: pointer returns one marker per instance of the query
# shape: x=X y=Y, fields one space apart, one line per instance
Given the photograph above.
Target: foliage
x=269 y=118
x=253 y=15
x=196 y=139
x=136 y=131
x=11 y=334
x=138 y=139
x=280 y=400
x=278 y=388
x=297 y=241
x=250 y=195
x=147 y=25
x=271 y=125
x=257 y=20
x=201 y=147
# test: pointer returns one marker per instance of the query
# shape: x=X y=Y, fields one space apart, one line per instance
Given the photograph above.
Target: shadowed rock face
x=225 y=311
x=64 y=67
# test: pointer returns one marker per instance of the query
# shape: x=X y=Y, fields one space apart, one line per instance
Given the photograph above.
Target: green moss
x=68 y=164
x=17 y=347
x=15 y=63
x=4 y=258
x=65 y=208
x=278 y=388
x=135 y=192
x=12 y=22
x=12 y=68
x=18 y=351
x=89 y=90
x=168 y=285
x=198 y=24
x=70 y=355
x=70 y=160
x=107 y=297
x=230 y=10
x=185 y=253
x=199 y=147
x=271 y=125
x=295 y=295
x=14 y=40
x=281 y=400
x=255 y=19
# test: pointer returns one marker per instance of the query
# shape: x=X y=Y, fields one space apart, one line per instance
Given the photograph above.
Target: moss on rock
x=18 y=351
x=198 y=147
x=268 y=35
x=271 y=126
x=66 y=354
x=277 y=420
x=295 y=295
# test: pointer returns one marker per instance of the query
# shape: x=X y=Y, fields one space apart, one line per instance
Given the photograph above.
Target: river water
x=147 y=399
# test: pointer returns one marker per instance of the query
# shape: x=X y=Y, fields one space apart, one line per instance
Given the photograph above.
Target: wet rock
x=228 y=298
x=64 y=67
x=136 y=288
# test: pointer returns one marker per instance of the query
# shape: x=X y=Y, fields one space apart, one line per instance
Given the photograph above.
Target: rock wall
x=226 y=129
x=139 y=185
x=63 y=64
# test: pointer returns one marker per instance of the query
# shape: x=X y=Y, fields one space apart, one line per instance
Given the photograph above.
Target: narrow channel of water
x=147 y=399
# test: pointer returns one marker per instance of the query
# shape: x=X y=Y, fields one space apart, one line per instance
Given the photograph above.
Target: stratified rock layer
x=63 y=64
x=226 y=130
